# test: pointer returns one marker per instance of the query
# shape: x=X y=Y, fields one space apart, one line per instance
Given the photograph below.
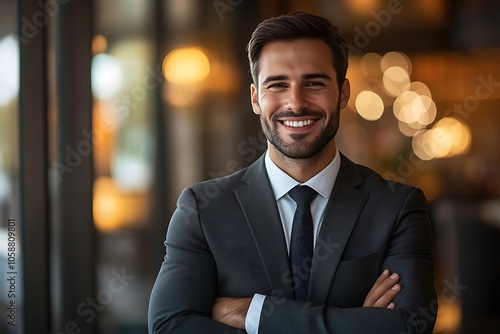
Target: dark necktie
x=301 y=242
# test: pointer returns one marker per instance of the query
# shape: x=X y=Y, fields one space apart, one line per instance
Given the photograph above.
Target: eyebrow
x=274 y=78
x=304 y=76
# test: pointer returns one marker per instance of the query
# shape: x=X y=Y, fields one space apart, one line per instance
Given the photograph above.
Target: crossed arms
x=233 y=311
x=187 y=295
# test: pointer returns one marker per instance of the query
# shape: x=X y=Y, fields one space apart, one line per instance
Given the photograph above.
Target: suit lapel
x=344 y=206
x=259 y=206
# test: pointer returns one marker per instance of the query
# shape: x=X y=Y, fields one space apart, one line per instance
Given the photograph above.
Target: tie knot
x=303 y=195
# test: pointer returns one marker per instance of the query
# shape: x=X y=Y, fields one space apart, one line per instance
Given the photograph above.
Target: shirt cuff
x=252 y=319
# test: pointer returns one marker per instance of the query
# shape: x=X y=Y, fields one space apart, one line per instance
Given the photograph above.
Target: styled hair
x=298 y=26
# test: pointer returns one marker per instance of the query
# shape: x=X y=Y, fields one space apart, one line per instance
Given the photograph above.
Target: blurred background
x=109 y=108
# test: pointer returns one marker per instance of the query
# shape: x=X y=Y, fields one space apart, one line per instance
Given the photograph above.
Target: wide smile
x=298 y=124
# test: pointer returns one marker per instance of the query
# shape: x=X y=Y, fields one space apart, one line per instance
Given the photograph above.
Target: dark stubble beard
x=298 y=149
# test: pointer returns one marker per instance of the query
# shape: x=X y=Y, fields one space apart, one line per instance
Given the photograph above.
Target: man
x=259 y=256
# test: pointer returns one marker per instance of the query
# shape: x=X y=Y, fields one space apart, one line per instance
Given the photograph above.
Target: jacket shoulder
x=374 y=180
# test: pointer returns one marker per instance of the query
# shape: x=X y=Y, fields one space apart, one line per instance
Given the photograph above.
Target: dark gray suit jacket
x=226 y=239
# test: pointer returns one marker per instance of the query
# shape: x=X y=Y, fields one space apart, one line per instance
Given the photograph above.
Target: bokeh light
x=420 y=88
x=396 y=81
x=106 y=77
x=408 y=107
x=186 y=65
x=106 y=205
x=393 y=58
x=409 y=130
x=369 y=105
x=370 y=66
x=447 y=138
x=9 y=69
x=99 y=44
x=429 y=110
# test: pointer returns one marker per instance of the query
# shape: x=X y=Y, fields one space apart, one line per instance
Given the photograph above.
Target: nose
x=296 y=99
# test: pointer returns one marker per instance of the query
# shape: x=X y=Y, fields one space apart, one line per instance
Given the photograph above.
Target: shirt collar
x=322 y=182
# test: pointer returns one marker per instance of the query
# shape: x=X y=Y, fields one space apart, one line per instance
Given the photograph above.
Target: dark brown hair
x=297 y=26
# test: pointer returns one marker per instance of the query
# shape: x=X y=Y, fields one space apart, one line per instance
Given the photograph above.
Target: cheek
x=326 y=103
x=269 y=104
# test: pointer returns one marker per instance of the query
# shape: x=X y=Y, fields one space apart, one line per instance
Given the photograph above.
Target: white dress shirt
x=281 y=184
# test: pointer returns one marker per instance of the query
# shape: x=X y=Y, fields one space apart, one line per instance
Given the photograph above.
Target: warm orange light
x=448 y=317
x=408 y=107
x=447 y=138
x=370 y=65
x=363 y=6
x=420 y=88
x=414 y=109
x=424 y=145
x=369 y=105
x=181 y=96
x=454 y=135
x=99 y=44
x=187 y=65
x=396 y=80
x=409 y=130
x=396 y=59
x=106 y=205
x=115 y=209
x=429 y=110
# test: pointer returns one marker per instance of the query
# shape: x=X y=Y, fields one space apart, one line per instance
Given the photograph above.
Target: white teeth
x=298 y=124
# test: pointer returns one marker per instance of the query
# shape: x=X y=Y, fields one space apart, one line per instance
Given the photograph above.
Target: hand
x=383 y=291
x=231 y=311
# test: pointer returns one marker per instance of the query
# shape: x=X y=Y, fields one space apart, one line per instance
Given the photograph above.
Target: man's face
x=297 y=98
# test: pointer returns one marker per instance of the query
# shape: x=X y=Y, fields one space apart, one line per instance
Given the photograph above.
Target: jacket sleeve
x=183 y=294
x=409 y=253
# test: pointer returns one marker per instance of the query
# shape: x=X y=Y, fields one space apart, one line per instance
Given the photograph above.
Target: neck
x=302 y=170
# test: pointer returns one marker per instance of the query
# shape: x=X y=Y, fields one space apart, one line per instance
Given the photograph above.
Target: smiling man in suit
x=303 y=240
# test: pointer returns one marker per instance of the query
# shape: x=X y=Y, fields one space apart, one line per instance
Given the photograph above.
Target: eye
x=315 y=83
x=276 y=85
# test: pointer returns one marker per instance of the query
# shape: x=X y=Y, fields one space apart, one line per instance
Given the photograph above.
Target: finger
x=381 y=294
x=381 y=278
x=388 y=296
x=391 y=306
x=387 y=289
x=372 y=296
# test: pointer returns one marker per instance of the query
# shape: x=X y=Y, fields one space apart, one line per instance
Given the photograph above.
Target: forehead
x=302 y=56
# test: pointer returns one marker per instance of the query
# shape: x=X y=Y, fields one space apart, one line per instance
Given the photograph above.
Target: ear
x=254 y=96
x=345 y=94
